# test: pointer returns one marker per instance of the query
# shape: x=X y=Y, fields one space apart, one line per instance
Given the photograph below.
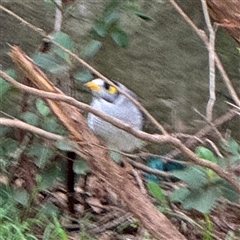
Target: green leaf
x=80 y=167
x=51 y=124
x=3 y=131
x=194 y=176
x=90 y=49
x=202 y=199
x=179 y=194
x=119 y=37
x=21 y=196
x=112 y=17
x=42 y=108
x=140 y=14
x=83 y=76
x=8 y=146
x=6 y=195
x=30 y=118
x=205 y=153
x=49 y=63
x=228 y=191
x=11 y=72
x=41 y=154
x=156 y=191
x=208 y=229
x=4 y=85
x=60 y=231
x=115 y=156
x=100 y=28
x=111 y=6
x=64 y=40
x=49 y=176
x=66 y=145
x=233 y=147
x=143 y=16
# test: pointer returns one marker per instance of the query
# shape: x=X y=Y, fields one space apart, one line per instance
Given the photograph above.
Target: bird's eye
x=106 y=85
x=109 y=88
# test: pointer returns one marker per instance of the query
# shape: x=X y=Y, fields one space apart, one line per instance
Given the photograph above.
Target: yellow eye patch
x=112 y=89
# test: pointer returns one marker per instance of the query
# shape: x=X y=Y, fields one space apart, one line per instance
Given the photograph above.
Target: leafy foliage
x=18 y=218
x=204 y=187
x=157 y=192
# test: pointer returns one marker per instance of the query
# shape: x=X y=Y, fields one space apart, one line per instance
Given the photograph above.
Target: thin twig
x=217 y=151
x=233 y=105
x=148 y=169
x=58 y=15
x=186 y=218
x=211 y=52
x=212 y=125
x=36 y=29
x=15 y=123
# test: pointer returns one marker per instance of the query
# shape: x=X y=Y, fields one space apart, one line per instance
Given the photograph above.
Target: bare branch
x=211 y=52
x=213 y=126
x=58 y=15
x=204 y=38
x=15 y=123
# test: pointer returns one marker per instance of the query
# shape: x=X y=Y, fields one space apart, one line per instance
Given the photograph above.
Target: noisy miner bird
x=109 y=100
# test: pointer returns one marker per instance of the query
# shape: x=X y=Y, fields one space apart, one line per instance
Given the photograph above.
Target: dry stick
x=233 y=105
x=140 y=134
x=15 y=123
x=58 y=15
x=219 y=121
x=36 y=29
x=213 y=127
x=93 y=70
x=211 y=51
x=204 y=38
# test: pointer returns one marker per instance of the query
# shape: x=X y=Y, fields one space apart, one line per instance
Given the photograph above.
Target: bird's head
x=102 y=89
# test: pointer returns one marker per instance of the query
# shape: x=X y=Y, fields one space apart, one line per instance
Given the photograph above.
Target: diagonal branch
x=211 y=52
x=15 y=123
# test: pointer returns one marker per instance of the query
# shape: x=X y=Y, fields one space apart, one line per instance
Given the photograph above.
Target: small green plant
x=203 y=186
x=208 y=228
x=155 y=190
x=22 y=219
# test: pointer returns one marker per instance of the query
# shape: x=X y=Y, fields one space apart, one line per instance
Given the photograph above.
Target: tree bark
x=227 y=14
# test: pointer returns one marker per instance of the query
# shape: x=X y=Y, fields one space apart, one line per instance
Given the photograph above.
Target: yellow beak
x=92 y=86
